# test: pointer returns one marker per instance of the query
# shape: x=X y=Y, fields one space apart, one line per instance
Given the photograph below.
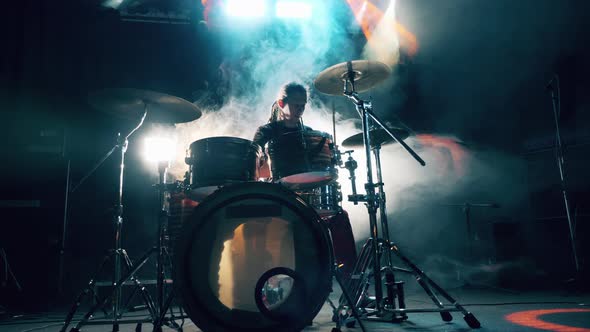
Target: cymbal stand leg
x=430 y=286
x=88 y=290
x=116 y=287
x=348 y=299
x=359 y=279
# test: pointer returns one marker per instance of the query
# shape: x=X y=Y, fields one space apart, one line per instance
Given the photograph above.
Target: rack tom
x=218 y=161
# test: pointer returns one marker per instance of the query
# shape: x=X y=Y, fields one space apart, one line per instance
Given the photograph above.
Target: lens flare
x=160 y=149
x=241 y=8
x=368 y=16
x=293 y=9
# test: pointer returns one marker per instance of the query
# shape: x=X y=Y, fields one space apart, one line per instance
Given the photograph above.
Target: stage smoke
x=420 y=200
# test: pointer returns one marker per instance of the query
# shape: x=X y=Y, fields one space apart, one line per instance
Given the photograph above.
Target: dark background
x=479 y=74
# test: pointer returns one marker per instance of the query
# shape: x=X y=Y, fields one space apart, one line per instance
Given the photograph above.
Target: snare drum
x=219 y=161
x=303 y=159
x=325 y=199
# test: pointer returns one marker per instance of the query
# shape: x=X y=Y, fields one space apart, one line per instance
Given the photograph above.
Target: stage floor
x=497 y=310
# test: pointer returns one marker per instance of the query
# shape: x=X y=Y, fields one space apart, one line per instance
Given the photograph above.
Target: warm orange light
x=368 y=16
x=407 y=39
x=207 y=4
x=455 y=148
x=531 y=318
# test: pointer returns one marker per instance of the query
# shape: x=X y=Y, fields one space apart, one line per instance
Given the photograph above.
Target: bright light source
x=160 y=149
x=245 y=8
x=112 y=3
x=293 y=9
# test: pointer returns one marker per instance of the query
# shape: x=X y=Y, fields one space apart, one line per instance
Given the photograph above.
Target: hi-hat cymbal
x=367 y=74
x=378 y=137
x=130 y=104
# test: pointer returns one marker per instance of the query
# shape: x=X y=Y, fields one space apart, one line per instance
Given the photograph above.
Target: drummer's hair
x=284 y=93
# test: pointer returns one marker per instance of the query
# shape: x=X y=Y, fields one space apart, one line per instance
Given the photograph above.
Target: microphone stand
x=561 y=166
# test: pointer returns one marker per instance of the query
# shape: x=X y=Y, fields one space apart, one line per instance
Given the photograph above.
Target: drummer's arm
x=261 y=137
x=264 y=170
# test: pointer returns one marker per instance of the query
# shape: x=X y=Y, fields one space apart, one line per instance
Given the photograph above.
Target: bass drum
x=231 y=244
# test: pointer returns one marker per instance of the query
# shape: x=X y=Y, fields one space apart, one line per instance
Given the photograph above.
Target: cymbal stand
x=375 y=246
x=119 y=254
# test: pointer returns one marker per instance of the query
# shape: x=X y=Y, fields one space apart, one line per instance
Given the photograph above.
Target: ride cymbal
x=130 y=104
x=378 y=137
x=365 y=73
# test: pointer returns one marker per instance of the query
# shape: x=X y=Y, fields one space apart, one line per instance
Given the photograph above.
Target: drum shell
x=343 y=243
x=217 y=161
x=180 y=208
x=325 y=199
x=303 y=159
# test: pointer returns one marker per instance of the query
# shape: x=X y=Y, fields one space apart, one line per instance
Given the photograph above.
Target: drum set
x=246 y=254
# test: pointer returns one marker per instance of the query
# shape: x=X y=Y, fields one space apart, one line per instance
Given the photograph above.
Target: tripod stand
x=118 y=254
x=376 y=247
x=128 y=104
x=8 y=274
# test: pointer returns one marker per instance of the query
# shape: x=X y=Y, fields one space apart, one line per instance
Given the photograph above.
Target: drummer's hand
x=264 y=170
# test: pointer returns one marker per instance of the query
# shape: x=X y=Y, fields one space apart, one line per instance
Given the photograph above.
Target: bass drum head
x=233 y=240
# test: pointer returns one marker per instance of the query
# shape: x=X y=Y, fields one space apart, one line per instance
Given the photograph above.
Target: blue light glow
x=245 y=8
x=293 y=9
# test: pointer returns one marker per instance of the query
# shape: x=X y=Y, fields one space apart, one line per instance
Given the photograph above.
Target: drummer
x=285 y=117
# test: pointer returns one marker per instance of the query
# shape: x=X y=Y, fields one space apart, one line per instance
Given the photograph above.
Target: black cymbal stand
x=375 y=246
x=118 y=254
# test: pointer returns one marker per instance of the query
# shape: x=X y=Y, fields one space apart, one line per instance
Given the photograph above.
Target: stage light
x=293 y=9
x=245 y=8
x=160 y=149
x=112 y=3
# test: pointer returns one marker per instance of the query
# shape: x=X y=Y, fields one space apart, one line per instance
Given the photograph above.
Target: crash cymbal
x=367 y=74
x=130 y=104
x=378 y=137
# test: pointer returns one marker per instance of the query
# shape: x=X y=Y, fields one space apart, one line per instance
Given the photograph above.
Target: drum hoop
x=229 y=139
x=312 y=133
